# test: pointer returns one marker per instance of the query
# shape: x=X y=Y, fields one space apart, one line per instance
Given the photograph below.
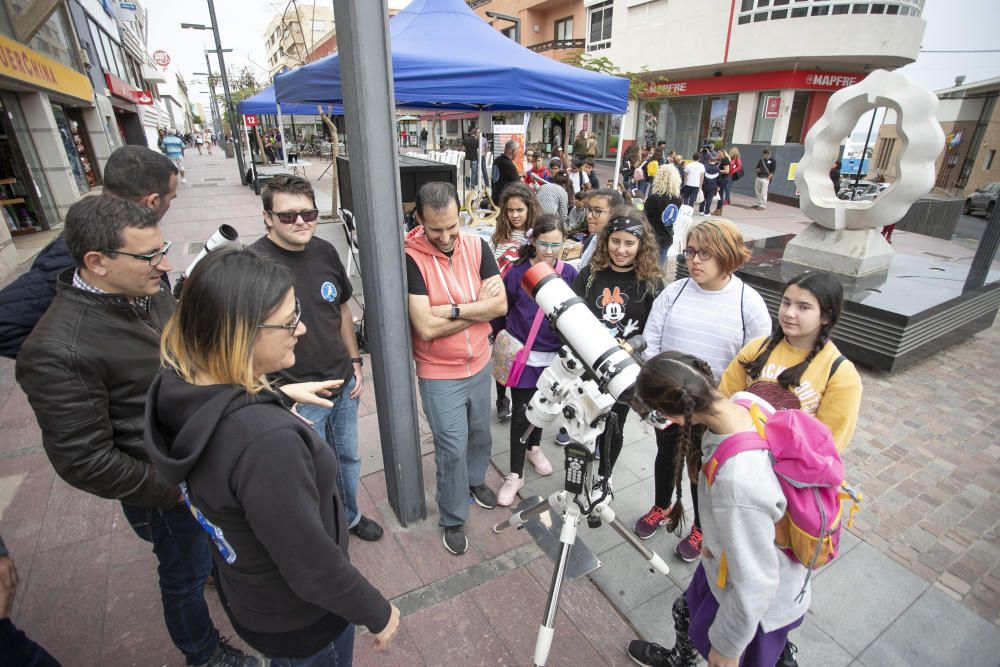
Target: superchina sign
x=737 y=83
x=20 y=63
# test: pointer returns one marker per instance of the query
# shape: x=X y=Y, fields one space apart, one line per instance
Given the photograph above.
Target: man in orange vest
x=454 y=291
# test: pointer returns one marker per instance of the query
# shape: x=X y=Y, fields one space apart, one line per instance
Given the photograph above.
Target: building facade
x=292 y=35
x=751 y=73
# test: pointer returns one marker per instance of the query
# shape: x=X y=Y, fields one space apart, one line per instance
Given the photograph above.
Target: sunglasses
x=291 y=326
x=153 y=258
x=289 y=217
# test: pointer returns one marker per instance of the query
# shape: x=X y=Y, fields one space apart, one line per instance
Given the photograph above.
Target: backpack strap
x=836 y=364
x=743 y=318
x=679 y=292
x=730 y=447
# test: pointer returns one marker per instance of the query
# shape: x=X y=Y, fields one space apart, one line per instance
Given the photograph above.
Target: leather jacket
x=86 y=369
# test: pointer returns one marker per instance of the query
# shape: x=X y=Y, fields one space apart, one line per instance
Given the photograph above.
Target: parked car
x=983 y=199
x=865 y=190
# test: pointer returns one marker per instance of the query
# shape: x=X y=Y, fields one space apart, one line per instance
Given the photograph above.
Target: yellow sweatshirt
x=835 y=401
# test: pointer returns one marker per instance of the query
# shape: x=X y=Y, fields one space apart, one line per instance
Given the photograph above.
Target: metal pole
x=212 y=109
x=230 y=108
x=618 y=151
x=281 y=133
x=861 y=163
x=366 y=71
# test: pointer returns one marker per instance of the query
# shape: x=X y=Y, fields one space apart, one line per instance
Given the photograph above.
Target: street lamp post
x=230 y=107
x=212 y=108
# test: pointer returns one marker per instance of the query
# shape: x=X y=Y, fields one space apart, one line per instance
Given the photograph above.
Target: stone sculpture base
x=849 y=252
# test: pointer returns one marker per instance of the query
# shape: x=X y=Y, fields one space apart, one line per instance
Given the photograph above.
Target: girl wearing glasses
x=255 y=475
x=619 y=285
x=711 y=316
x=518 y=210
x=543 y=243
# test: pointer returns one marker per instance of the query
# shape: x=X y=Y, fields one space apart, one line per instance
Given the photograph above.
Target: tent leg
x=618 y=151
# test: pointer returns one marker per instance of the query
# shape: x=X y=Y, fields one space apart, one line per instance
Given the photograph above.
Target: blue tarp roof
x=263 y=103
x=444 y=56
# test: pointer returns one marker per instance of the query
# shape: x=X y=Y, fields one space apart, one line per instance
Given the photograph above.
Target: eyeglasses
x=289 y=217
x=292 y=326
x=703 y=255
x=597 y=212
x=153 y=259
x=548 y=247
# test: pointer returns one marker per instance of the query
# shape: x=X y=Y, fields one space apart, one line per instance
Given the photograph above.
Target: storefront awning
x=29 y=67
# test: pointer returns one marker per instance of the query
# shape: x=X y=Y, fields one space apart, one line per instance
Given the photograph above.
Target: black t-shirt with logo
x=321 y=285
x=615 y=298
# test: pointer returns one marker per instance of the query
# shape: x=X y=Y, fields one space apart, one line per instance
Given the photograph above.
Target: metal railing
x=556 y=44
x=478 y=3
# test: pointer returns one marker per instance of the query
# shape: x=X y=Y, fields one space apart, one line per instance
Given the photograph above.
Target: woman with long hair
x=666 y=190
x=519 y=208
x=799 y=367
x=725 y=179
x=619 y=286
x=735 y=169
x=746 y=594
x=255 y=475
x=710 y=315
x=629 y=164
x=543 y=244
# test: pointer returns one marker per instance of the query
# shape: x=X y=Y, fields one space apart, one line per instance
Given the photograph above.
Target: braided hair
x=678 y=384
x=830 y=297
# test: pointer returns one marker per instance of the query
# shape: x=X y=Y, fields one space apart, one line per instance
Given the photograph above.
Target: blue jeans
x=725 y=190
x=338 y=653
x=458 y=412
x=185 y=556
x=339 y=427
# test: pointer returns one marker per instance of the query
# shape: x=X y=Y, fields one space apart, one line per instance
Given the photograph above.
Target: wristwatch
x=358 y=360
x=455 y=312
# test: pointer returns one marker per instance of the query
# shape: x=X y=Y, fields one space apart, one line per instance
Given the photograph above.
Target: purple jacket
x=521 y=309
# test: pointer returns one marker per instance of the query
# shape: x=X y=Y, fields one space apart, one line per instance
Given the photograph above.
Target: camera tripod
x=584 y=408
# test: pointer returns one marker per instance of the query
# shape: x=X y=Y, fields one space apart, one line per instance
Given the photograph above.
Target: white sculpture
x=844 y=239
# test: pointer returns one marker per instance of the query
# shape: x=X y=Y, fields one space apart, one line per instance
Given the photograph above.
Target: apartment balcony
x=478 y=3
x=558 y=45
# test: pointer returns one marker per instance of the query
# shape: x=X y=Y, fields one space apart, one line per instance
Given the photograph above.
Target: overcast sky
x=951 y=24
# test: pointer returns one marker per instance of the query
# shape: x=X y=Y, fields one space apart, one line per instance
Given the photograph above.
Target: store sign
x=161 y=57
x=250 y=121
x=772 y=106
x=123 y=90
x=735 y=83
x=22 y=64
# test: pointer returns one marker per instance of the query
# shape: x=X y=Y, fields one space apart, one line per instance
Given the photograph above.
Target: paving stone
x=455 y=632
x=625 y=579
x=954 y=583
x=816 y=648
x=861 y=579
x=916 y=637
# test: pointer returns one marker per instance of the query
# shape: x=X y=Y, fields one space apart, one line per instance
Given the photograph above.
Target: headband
x=624 y=224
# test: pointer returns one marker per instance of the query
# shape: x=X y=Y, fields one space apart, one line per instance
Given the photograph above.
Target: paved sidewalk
x=918 y=583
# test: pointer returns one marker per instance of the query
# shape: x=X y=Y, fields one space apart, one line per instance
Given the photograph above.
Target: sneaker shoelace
x=654 y=516
x=694 y=539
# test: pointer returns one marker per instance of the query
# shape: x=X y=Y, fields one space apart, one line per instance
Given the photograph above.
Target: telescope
x=224 y=236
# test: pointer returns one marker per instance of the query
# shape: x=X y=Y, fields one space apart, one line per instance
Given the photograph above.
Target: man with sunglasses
x=329 y=349
x=86 y=368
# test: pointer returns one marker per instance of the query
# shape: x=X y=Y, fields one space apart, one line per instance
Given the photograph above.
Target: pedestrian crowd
x=226 y=424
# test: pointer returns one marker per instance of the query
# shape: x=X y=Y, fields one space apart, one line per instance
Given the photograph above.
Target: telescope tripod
x=579 y=480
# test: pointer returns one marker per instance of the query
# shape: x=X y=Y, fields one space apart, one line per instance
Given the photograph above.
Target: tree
x=638 y=82
x=243 y=84
x=196 y=119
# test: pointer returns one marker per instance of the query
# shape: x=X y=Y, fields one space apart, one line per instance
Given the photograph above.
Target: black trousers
x=518 y=425
x=612 y=444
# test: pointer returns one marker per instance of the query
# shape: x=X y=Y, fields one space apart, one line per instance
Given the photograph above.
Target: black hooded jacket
x=264 y=485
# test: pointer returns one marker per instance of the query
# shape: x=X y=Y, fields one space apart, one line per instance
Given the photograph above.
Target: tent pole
x=366 y=71
x=281 y=130
x=485 y=126
x=618 y=151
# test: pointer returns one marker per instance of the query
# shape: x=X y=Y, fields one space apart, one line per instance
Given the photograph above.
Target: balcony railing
x=478 y=3
x=557 y=44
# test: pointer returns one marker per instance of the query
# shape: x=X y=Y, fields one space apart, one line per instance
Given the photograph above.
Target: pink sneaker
x=512 y=483
x=537 y=458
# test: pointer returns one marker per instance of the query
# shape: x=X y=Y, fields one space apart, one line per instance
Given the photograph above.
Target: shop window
x=600 y=27
x=763 y=128
x=23 y=186
x=451 y=126
x=779 y=14
x=840 y=9
x=69 y=132
x=800 y=11
x=797 y=117
x=860 y=9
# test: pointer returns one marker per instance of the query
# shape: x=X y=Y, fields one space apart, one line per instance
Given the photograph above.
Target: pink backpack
x=810 y=473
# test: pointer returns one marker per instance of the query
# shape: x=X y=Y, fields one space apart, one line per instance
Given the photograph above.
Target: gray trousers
x=458 y=412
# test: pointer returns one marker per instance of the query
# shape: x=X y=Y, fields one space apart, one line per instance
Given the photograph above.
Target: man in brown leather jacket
x=86 y=368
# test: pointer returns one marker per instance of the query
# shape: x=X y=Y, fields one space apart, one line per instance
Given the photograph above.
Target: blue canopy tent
x=444 y=56
x=264 y=103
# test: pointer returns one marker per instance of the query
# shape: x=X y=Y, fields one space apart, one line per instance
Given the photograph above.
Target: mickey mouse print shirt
x=616 y=299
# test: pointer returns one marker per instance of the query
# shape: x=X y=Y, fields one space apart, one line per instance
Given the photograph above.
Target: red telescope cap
x=534 y=275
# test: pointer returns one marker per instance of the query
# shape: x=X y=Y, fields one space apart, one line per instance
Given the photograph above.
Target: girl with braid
x=799 y=367
x=743 y=598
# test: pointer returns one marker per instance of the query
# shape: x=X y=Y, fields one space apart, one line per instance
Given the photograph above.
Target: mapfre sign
x=738 y=83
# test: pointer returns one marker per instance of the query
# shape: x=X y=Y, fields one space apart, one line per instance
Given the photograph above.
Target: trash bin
x=230 y=151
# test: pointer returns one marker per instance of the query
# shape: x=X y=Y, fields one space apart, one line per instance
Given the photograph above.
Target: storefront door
x=25 y=201
x=69 y=132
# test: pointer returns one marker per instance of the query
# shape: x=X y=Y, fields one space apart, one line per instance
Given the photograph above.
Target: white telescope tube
x=224 y=236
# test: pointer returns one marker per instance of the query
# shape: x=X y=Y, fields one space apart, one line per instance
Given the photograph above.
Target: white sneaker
x=512 y=483
x=537 y=458
x=596 y=491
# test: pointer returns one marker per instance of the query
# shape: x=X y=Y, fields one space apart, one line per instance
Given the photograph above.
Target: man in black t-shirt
x=329 y=349
x=765 y=169
x=504 y=170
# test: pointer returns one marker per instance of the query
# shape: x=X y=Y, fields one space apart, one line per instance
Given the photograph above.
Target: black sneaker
x=503 y=410
x=787 y=658
x=654 y=655
x=483 y=496
x=230 y=656
x=454 y=540
x=367 y=529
